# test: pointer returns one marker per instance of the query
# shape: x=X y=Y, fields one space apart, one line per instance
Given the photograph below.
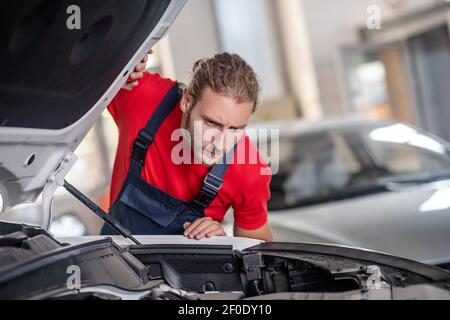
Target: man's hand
x=203 y=227
x=138 y=73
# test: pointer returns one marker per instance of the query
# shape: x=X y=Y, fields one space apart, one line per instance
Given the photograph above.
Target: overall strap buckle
x=140 y=146
x=209 y=190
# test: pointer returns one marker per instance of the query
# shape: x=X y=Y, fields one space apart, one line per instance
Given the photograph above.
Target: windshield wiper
x=333 y=196
x=416 y=180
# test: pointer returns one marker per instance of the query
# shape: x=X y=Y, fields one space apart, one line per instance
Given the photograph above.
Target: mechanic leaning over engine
x=179 y=164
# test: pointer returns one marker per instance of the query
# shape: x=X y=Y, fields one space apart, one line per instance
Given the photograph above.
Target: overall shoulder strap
x=147 y=134
x=214 y=180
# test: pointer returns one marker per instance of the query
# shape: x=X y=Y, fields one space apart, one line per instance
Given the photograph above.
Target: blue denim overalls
x=147 y=210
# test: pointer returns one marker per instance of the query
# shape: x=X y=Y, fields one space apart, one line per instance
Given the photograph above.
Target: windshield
x=334 y=164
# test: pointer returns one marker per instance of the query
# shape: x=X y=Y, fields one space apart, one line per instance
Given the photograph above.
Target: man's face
x=215 y=123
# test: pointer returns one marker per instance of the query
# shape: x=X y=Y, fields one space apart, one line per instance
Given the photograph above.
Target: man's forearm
x=264 y=233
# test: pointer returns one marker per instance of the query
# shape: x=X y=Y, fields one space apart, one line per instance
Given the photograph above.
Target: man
x=159 y=187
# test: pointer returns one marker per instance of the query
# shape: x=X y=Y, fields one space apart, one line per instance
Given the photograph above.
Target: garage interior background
x=315 y=58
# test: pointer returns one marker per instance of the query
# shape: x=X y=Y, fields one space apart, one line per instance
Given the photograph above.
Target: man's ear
x=185 y=103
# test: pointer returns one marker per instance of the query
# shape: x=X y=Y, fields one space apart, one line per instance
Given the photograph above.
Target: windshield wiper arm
x=99 y=212
x=424 y=179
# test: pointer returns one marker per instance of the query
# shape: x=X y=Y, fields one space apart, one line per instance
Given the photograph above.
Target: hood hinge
x=54 y=181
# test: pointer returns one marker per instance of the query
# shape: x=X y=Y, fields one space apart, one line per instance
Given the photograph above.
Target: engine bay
x=197 y=272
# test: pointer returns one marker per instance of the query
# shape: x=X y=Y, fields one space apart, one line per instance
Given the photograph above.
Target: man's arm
x=264 y=233
x=251 y=212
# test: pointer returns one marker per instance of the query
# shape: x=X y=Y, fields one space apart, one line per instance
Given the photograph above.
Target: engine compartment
x=252 y=274
x=203 y=272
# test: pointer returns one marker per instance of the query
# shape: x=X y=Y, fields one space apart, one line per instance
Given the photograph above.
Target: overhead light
x=402 y=134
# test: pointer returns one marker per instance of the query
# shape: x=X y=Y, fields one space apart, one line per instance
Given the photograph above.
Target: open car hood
x=55 y=82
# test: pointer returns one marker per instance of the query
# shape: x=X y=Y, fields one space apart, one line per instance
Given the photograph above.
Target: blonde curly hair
x=227 y=74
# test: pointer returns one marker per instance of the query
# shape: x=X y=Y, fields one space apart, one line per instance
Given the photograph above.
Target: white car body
x=402 y=223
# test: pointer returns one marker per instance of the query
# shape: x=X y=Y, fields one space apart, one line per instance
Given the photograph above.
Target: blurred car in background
x=363 y=183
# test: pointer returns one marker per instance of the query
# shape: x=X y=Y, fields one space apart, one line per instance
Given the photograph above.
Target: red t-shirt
x=244 y=188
